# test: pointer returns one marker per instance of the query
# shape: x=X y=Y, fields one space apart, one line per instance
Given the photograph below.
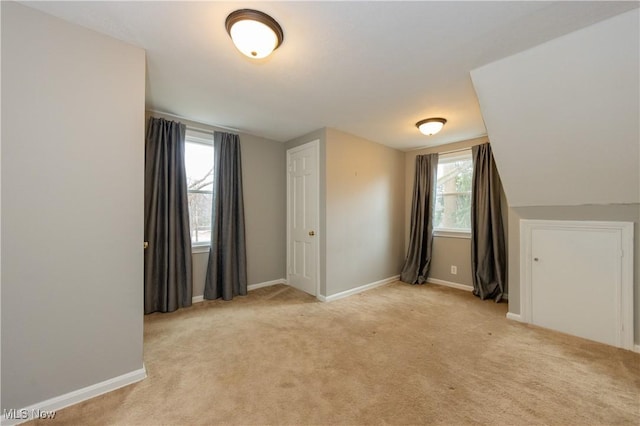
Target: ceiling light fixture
x=430 y=126
x=254 y=33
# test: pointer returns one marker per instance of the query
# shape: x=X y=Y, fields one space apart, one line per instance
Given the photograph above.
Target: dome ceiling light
x=254 y=33
x=431 y=126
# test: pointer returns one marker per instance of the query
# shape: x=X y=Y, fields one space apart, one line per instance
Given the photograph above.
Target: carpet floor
x=397 y=354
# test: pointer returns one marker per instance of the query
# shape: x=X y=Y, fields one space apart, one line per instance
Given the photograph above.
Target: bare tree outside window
x=199 y=166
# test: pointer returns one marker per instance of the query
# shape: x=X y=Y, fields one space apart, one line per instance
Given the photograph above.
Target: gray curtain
x=488 y=260
x=227 y=268
x=167 y=260
x=418 y=261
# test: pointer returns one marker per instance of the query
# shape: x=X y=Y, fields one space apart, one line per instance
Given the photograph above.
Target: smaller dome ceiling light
x=430 y=126
x=254 y=33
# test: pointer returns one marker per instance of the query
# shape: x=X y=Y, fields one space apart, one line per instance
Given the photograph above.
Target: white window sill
x=204 y=248
x=452 y=233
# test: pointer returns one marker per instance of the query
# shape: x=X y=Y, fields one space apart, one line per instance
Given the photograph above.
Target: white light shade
x=431 y=126
x=254 y=33
x=253 y=38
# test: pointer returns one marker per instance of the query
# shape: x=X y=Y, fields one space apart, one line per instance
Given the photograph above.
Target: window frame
x=202 y=138
x=462 y=154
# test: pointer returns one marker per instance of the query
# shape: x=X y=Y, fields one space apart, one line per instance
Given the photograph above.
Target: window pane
x=199 y=164
x=453 y=192
x=199 y=168
x=200 y=217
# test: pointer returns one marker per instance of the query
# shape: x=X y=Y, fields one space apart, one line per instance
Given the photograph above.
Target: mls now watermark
x=25 y=414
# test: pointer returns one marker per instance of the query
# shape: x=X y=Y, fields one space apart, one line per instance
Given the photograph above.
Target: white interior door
x=302 y=217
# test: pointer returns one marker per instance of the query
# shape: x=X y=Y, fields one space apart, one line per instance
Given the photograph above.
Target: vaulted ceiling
x=368 y=68
x=564 y=117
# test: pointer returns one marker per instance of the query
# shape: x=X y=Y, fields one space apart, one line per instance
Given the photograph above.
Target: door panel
x=302 y=227
x=575 y=275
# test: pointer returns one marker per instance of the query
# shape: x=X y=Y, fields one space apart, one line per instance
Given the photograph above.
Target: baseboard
x=266 y=284
x=636 y=348
x=50 y=406
x=356 y=290
x=459 y=286
x=514 y=317
x=250 y=287
x=450 y=284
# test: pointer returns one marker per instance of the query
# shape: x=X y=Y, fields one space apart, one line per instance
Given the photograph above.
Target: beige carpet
x=398 y=354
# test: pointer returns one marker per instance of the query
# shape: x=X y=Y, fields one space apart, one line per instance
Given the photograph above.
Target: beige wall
x=364 y=211
x=264 y=186
x=447 y=251
x=72 y=207
x=361 y=210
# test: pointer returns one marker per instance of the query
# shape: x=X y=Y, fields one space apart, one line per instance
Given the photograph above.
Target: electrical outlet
x=454 y=269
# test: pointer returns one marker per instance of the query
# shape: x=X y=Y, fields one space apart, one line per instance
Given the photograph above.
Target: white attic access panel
x=577 y=278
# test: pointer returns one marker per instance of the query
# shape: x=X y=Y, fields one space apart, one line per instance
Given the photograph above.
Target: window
x=453 y=193
x=199 y=166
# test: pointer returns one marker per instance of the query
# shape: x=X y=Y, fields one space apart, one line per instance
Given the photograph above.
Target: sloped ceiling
x=564 y=117
x=372 y=68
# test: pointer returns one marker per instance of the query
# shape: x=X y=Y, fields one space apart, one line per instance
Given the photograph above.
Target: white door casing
x=303 y=217
x=577 y=278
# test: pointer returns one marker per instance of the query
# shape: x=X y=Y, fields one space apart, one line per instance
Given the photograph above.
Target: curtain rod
x=195 y=128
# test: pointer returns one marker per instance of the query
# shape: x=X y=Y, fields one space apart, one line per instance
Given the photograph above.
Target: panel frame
x=624 y=286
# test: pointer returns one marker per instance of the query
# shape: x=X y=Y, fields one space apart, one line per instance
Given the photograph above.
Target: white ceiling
x=372 y=69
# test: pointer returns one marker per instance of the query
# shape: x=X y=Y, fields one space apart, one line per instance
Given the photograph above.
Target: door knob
x=312 y=233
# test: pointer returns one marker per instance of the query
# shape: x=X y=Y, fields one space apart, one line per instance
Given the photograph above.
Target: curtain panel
x=488 y=258
x=167 y=260
x=418 y=261
x=227 y=266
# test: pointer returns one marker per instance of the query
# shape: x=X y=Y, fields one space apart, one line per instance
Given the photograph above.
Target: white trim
x=356 y=290
x=200 y=248
x=514 y=317
x=624 y=284
x=450 y=284
x=250 y=287
x=525 y=272
x=77 y=396
x=455 y=155
x=452 y=233
x=198 y=136
x=636 y=348
x=316 y=145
